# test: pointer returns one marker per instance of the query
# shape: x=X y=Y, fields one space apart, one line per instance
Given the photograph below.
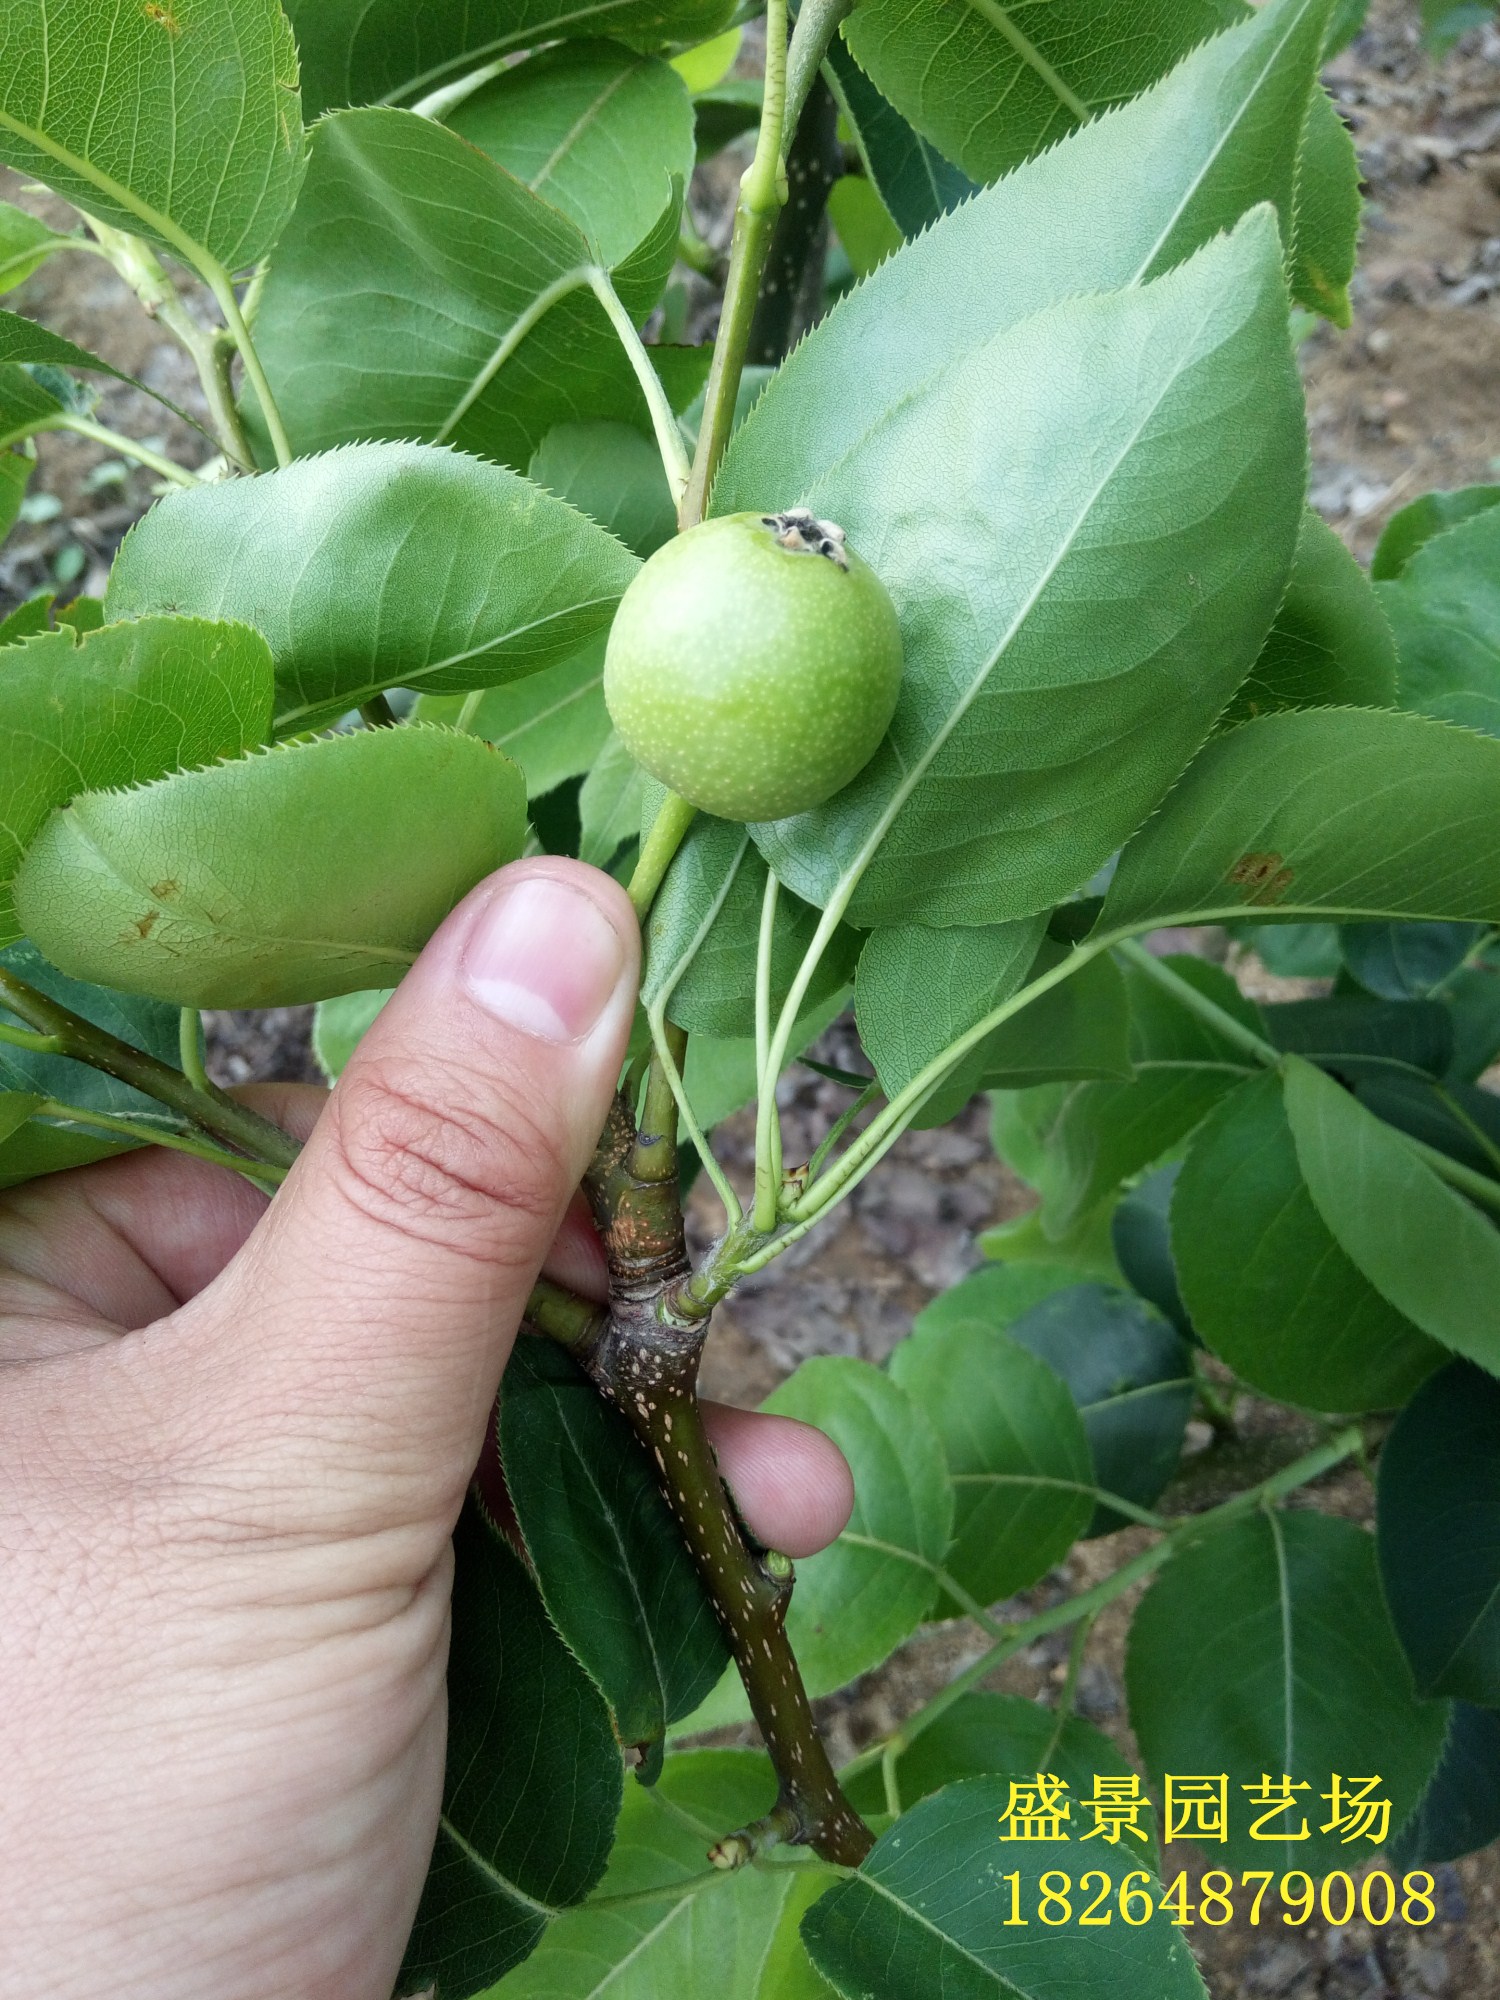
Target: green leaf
x=1344 y=812
x=609 y=804
x=421 y=292
x=38 y=1148
x=1438 y=1532
x=1007 y=1736
x=1295 y=951
x=863 y=223
x=1445 y=611
x=918 y=989
x=1326 y=239
x=316 y=869
x=1331 y=643
x=613 y=473
x=376 y=51
x=118 y=707
x=553 y=723
x=376 y=566
x=996 y=1294
x=989 y=798
x=1129 y=1377
x=533 y=1784
x=709 y=62
x=1460 y=1810
x=181 y=122
x=1016 y=1454
x=31 y=617
x=1079 y=1029
x=1474 y=1001
x=1141 y=1236
x=608 y=1558
x=1445 y=21
x=993 y=85
x=927 y=1912
x=856 y=1602
x=340 y=1024
x=914 y=181
x=726 y=113
x=996 y=85
x=15 y=471
x=1406 y=961
x=25 y=245
x=1422 y=1247
x=592 y=128
x=1158 y=178
x=1453 y=1117
x=1267 y=1285
x=1087 y=1246
x=1357 y=1037
x=1348 y=19
x=1415 y=525
x=1096 y=1135
x=31 y=346
x=710 y=906
x=656 y=1930
x=1316 y=1685
x=27 y=406
x=721 y=1071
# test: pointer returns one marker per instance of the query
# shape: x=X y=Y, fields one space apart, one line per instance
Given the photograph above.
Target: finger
x=370 y=1314
x=790 y=1480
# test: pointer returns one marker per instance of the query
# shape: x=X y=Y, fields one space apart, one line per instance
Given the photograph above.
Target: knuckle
x=440 y=1156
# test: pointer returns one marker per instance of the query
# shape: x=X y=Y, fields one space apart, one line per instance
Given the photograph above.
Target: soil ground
x=1407 y=400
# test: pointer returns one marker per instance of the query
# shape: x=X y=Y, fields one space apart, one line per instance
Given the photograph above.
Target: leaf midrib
x=549 y=1912
x=915 y=772
x=202 y=260
x=292 y=718
x=999 y=19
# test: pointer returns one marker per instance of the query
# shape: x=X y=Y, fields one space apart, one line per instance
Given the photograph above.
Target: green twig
x=817 y=24
x=672 y=1071
x=1479 y=1187
x=221 y=285
x=762 y=191
x=190 y=1048
x=882 y=1132
x=1069 y=1694
x=123 y=447
x=674 y=817
x=1228 y=1027
x=35 y=1045
x=768 y=1115
x=1312 y=1465
x=889 y=1778
x=212 y=1110
x=138 y=1130
x=663 y=422
x=841 y=1125
x=210 y=351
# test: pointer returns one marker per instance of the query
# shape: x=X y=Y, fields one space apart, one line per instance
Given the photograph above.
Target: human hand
x=233 y=1446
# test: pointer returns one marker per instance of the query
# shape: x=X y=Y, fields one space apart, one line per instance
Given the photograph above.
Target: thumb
x=369 y=1316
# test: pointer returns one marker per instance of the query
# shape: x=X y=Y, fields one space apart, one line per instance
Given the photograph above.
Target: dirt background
x=1409 y=399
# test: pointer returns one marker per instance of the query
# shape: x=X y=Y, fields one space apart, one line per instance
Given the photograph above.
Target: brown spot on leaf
x=162 y=16
x=165 y=891
x=1264 y=877
x=142 y=926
